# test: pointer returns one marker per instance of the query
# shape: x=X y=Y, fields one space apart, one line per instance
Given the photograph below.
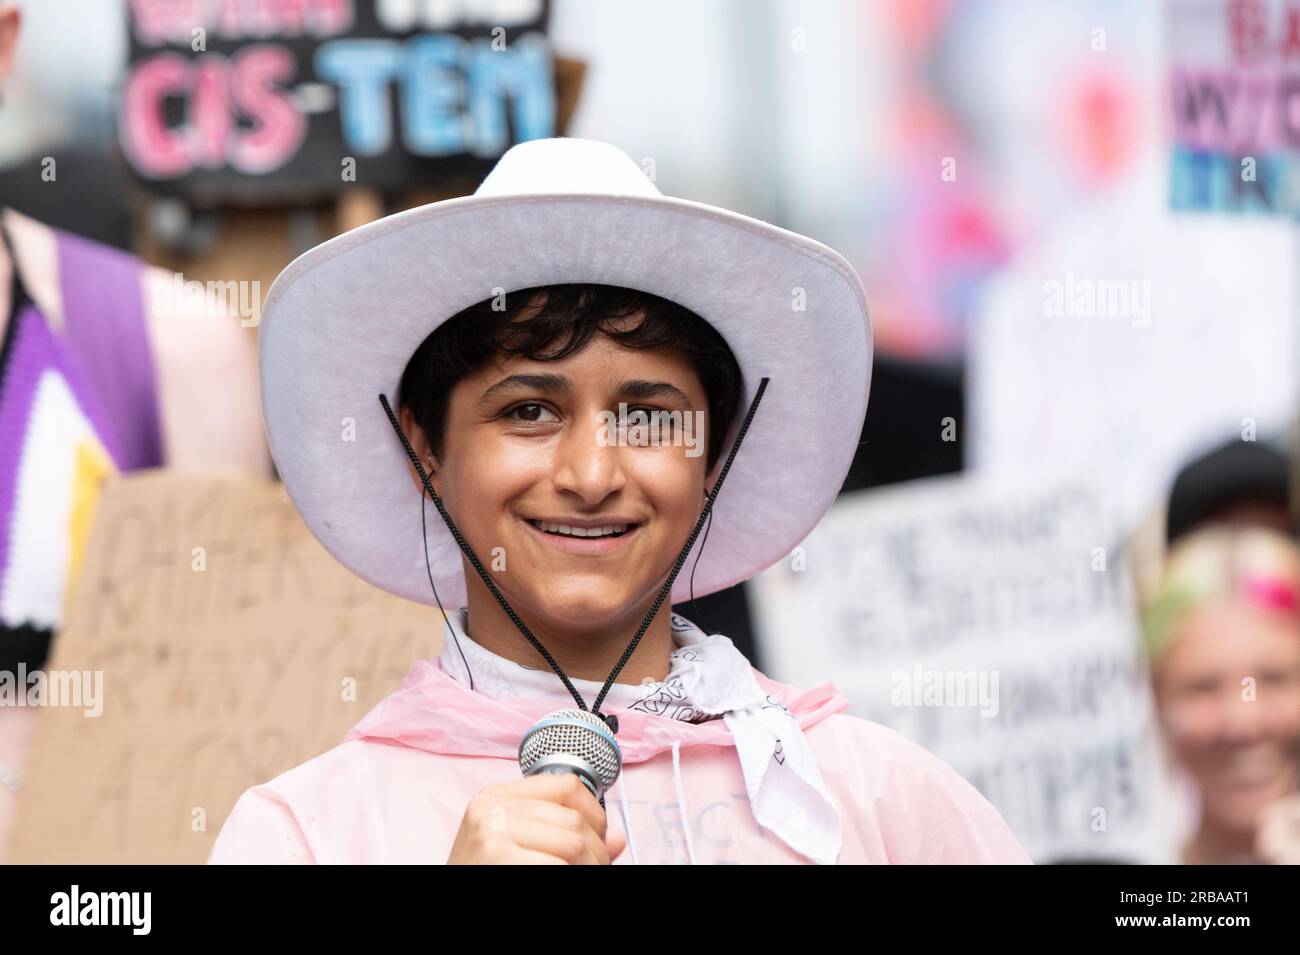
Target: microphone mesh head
x=577 y=733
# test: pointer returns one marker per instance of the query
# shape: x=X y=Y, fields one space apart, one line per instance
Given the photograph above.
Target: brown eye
x=530 y=411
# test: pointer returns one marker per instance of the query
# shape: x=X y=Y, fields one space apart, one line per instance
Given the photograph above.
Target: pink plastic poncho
x=396 y=789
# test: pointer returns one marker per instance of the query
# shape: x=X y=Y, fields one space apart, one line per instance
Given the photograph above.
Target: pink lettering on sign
x=156 y=22
x=1247 y=30
x=211 y=116
x=1241 y=110
x=278 y=128
x=1259 y=33
x=150 y=146
x=217 y=93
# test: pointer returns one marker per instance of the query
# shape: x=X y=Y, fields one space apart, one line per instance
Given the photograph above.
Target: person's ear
x=420 y=445
x=711 y=478
x=433 y=468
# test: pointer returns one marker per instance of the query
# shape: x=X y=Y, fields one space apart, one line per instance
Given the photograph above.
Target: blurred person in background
x=1222 y=635
x=103 y=370
x=1243 y=483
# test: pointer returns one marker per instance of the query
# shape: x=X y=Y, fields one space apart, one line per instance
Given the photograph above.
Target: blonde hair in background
x=1258 y=565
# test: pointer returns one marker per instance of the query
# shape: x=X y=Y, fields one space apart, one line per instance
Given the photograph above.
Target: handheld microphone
x=573 y=741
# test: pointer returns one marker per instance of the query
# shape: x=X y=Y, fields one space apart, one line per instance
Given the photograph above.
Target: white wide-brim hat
x=342 y=320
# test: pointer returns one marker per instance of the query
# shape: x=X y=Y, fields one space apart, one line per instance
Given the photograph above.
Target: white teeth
x=580 y=531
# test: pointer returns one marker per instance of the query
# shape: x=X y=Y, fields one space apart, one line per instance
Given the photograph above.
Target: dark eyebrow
x=540 y=382
x=639 y=388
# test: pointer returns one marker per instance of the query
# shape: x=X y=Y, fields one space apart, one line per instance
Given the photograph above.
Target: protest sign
x=1234 y=95
x=290 y=100
x=228 y=647
x=994 y=625
x=1129 y=338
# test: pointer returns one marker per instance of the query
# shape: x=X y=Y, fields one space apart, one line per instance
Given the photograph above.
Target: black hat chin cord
x=514 y=617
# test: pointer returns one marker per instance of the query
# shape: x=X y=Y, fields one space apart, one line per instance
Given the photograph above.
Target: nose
x=586 y=467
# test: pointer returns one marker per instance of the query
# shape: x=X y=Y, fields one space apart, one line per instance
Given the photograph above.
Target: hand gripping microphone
x=573 y=741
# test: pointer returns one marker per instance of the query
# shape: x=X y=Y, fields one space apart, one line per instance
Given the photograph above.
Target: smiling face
x=1242 y=752
x=525 y=453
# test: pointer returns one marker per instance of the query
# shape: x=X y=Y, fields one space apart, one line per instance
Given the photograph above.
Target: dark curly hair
x=569 y=317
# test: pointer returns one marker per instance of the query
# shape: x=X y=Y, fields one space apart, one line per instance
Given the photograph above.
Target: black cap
x=1239 y=472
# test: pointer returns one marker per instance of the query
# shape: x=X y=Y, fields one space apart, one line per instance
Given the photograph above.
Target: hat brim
x=341 y=322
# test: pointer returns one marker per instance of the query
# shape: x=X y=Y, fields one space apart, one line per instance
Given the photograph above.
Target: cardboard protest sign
x=228 y=646
x=992 y=624
x=291 y=100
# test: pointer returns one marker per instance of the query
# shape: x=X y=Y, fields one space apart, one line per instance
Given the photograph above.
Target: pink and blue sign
x=272 y=100
x=1234 y=96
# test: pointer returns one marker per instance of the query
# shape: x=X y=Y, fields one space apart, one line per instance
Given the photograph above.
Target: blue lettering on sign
x=433 y=123
x=524 y=77
x=362 y=70
x=455 y=95
x=1201 y=181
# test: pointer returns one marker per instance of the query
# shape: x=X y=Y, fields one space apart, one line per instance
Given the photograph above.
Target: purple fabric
x=104 y=355
x=34 y=350
x=104 y=325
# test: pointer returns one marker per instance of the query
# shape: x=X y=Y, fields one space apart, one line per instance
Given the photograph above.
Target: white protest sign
x=1127 y=339
x=994 y=625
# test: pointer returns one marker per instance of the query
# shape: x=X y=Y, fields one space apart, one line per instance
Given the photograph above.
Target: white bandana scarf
x=708 y=678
